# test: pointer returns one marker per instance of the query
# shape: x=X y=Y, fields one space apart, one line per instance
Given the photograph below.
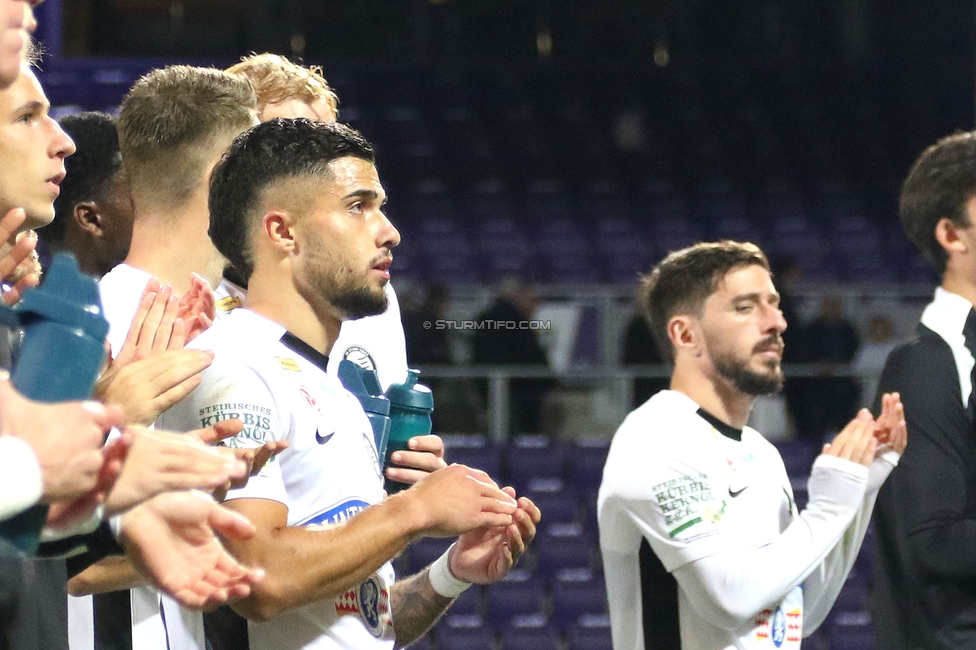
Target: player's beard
x=329 y=279
x=359 y=301
x=746 y=380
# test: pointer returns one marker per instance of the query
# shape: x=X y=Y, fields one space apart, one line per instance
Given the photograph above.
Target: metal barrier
x=498 y=378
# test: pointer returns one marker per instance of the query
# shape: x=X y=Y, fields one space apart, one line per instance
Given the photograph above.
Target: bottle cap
x=410 y=394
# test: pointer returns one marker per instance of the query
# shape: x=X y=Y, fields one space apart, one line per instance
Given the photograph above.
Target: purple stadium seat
x=426 y=550
x=492 y=204
x=449 y=638
x=571 y=268
x=509 y=598
x=546 y=200
x=720 y=203
x=556 y=553
x=737 y=228
x=468 y=603
x=485 y=457
x=598 y=204
x=871 y=267
x=433 y=205
x=589 y=637
x=558 y=508
x=529 y=457
x=673 y=233
x=837 y=203
x=852 y=631
x=625 y=256
x=530 y=638
x=572 y=600
x=458 y=267
x=661 y=205
x=587 y=458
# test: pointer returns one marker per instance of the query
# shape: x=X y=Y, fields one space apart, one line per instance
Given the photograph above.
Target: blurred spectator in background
x=640 y=349
x=426 y=343
x=786 y=273
x=93 y=212
x=831 y=342
x=503 y=338
x=870 y=359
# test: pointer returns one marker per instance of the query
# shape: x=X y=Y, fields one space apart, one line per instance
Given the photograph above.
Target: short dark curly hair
x=939 y=185
x=271 y=152
x=95 y=161
x=683 y=280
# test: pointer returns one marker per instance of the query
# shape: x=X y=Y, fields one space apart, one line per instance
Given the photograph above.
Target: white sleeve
x=730 y=587
x=21 y=483
x=821 y=588
x=232 y=390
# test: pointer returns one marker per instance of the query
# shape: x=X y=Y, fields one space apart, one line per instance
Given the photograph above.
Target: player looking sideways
x=702 y=543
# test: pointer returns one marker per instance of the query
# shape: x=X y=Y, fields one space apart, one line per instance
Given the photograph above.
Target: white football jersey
x=678 y=487
x=330 y=472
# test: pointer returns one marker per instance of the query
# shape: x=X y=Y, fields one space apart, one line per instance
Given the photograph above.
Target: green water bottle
x=410 y=407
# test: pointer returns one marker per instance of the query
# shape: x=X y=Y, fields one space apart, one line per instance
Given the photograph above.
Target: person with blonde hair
x=286 y=89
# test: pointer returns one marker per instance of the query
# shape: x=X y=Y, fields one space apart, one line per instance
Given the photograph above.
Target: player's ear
x=683 y=333
x=279 y=228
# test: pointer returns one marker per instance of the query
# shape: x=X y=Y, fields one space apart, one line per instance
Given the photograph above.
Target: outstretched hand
x=172 y=539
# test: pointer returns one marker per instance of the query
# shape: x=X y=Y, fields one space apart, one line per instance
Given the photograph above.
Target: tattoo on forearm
x=416 y=607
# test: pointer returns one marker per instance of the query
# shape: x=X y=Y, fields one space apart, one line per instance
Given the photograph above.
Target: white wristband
x=441 y=578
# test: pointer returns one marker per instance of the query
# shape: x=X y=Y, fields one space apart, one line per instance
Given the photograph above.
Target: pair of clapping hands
x=156 y=484
x=866 y=438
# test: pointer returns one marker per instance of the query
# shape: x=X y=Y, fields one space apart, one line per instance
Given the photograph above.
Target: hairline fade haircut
x=683 y=281
x=276 y=79
x=170 y=123
x=267 y=155
x=95 y=162
x=939 y=186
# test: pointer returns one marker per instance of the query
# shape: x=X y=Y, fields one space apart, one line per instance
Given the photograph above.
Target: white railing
x=620 y=378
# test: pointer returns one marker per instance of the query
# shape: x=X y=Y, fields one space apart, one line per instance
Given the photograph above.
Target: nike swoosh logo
x=323 y=439
x=737 y=492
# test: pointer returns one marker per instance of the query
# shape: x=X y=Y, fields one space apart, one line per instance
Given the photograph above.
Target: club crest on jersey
x=371 y=602
x=359 y=356
x=780 y=627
